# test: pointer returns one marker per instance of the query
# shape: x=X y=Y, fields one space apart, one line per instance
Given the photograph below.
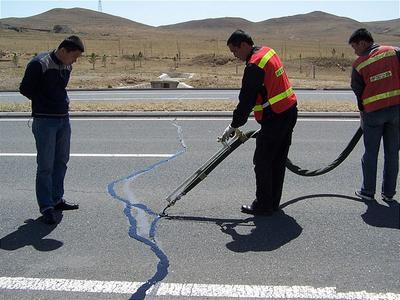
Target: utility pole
x=99 y=8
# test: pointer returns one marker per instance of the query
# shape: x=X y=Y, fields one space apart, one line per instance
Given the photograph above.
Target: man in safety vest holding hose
x=375 y=81
x=266 y=90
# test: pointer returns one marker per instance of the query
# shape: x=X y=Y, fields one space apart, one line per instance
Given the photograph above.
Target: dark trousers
x=378 y=125
x=52 y=136
x=272 y=147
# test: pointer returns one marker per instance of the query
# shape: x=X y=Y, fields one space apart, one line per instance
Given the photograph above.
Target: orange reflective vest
x=380 y=70
x=279 y=90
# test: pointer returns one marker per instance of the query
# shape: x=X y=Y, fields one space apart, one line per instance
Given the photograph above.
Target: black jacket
x=252 y=85
x=44 y=83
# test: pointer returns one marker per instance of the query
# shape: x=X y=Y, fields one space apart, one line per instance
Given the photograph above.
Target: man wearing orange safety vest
x=375 y=81
x=267 y=91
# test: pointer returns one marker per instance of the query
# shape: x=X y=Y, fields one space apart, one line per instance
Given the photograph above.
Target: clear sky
x=165 y=12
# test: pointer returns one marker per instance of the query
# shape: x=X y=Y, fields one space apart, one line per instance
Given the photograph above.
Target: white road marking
x=74 y=119
x=149 y=93
x=171 y=98
x=189 y=289
x=94 y=155
x=350 y=93
x=149 y=119
x=167 y=92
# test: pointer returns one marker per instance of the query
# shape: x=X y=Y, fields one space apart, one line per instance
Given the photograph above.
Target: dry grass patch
x=305 y=106
x=210 y=61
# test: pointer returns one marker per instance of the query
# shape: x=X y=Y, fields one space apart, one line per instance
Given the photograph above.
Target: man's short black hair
x=72 y=43
x=238 y=37
x=361 y=34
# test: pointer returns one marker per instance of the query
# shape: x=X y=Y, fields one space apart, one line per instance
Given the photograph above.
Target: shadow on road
x=377 y=215
x=290 y=202
x=266 y=234
x=32 y=233
x=270 y=233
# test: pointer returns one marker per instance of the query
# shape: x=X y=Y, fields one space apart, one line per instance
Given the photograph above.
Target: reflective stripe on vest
x=281 y=96
x=381 y=96
x=274 y=99
x=375 y=58
x=266 y=58
x=260 y=107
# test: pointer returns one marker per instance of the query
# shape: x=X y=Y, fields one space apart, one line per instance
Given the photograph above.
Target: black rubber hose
x=302 y=172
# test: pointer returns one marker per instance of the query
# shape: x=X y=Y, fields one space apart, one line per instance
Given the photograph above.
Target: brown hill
x=212 y=25
x=315 y=26
x=79 y=20
x=391 y=27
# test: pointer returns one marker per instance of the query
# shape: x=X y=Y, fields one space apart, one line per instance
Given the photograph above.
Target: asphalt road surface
x=326 y=244
x=180 y=94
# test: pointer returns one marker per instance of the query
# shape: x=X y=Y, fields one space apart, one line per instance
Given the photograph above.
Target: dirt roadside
x=177 y=106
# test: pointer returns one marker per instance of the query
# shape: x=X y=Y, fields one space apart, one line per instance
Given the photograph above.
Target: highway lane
x=326 y=238
x=180 y=94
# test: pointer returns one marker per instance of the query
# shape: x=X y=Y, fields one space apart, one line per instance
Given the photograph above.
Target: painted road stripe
x=150 y=98
x=189 y=289
x=73 y=119
x=94 y=155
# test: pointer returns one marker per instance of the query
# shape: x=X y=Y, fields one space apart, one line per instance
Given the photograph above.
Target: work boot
x=49 y=216
x=66 y=206
x=252 y=210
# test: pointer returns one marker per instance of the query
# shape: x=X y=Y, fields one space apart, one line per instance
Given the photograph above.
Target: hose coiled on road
x=241 y=138
x=302 y=172
x=309 y=173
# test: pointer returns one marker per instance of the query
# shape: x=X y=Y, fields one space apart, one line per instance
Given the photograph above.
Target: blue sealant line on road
x=162 y=266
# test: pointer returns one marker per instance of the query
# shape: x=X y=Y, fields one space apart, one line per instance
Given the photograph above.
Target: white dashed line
x=129 y=119
x=189 y=289
x=92 y=155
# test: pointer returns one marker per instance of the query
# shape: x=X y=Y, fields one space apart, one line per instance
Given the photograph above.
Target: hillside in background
x=316 y=25
x=391 y=27
x=212 y=25
x=80 y=20
x=313 y=47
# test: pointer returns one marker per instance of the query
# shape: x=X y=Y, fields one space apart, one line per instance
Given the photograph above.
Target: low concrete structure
x=164 y=84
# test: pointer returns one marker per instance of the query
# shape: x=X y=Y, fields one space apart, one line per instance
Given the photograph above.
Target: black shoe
x=66 y=206
x=49 y=216
x=250 y=209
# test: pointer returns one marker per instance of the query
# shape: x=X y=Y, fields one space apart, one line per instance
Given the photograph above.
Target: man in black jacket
x=266 y=90
x=44 y=83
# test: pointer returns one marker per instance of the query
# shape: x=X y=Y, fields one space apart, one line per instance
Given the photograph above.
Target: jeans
x=52 y=136
x=379 y=124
